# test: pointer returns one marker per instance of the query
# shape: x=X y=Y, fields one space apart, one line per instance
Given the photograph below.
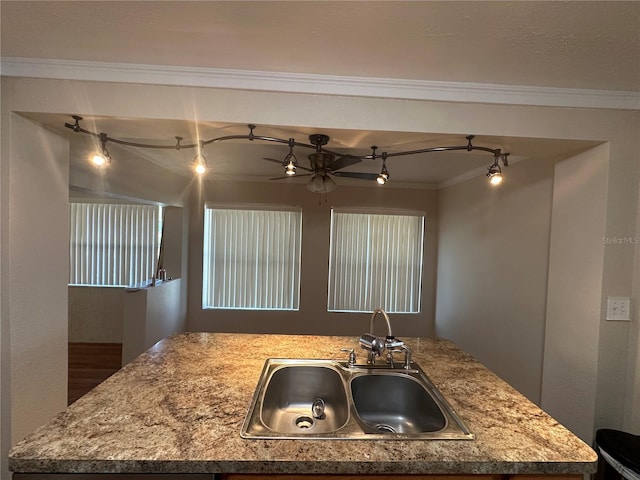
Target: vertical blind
x=251 y=259
x=113 y=245
x=375 y=261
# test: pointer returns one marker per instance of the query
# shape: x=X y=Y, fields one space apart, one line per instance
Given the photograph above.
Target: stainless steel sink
x=328 y=399
x=395 y=403
x=287 y=405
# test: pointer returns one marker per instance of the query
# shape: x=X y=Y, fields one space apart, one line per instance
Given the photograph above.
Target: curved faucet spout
x=386 y=317
x=376 y=346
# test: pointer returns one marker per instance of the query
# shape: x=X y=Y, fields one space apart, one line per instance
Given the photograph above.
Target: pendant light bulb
x=199 y=163
x=99 y=160
x=496 y=179
x=290 y=167
x=495 y=173
x=102 y=158
x=200 y=168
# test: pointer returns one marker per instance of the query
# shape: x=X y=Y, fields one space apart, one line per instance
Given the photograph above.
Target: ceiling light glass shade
x=321 y=184
x=315 y=184
x=328 y=184
x=199 y=164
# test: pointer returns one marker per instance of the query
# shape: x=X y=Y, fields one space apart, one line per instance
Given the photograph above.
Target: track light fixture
x=199 y=163
x=383 y=177
x=494 y=172
x=102 y=157
x=323 y=163
x=290 y=161
x=495 y=175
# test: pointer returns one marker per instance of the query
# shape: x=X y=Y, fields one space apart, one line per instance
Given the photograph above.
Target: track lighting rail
x=318 y=145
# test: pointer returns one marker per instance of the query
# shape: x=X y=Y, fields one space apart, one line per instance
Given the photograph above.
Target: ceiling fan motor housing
x=321 y=160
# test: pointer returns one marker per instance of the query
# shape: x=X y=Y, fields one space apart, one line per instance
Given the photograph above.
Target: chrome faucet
x=386 y=319
x=376 y=346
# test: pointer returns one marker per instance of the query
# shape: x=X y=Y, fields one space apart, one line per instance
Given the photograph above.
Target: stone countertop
x=178 y=408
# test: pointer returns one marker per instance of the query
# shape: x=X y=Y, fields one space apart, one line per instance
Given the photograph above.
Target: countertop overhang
x=179 y=407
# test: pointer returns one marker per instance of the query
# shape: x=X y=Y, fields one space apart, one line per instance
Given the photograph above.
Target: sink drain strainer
x=384 y=428
x=304 y=422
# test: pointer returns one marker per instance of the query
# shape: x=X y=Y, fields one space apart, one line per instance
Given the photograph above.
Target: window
x=113 y=245
x=252 y=258
x=375 y=260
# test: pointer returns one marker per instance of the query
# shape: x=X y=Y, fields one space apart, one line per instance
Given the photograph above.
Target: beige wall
x=493 y=258
x=539 y=331
x=150 y=314
x=618 y=128
x=35 y=289
x=312 y=318
x=576 y=257
x=632 y=381
x=95 y=314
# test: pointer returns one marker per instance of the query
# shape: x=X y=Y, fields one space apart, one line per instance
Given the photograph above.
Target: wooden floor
x=89 y=365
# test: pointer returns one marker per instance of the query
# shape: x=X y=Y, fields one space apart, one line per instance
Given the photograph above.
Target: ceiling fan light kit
x=323 y=163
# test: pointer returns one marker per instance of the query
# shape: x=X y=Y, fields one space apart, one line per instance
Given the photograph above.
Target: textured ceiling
x=592 y=45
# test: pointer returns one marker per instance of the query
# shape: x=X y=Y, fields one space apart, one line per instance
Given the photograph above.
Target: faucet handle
x=407 y=355
x=393 y=342
x=352 y=355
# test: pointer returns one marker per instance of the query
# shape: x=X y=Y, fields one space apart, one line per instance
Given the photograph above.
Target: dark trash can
x=618 y=455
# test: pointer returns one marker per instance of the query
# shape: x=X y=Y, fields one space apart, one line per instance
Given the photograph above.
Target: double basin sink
x=329 y=399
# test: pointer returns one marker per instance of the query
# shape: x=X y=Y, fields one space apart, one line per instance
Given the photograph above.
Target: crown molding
x=319 y=84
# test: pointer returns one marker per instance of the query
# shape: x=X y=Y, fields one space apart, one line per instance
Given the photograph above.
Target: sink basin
x=287 y=405
x=394 y=403
x=328 y=399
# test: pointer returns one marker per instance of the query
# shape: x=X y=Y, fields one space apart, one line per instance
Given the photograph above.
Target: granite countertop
x=179 y=407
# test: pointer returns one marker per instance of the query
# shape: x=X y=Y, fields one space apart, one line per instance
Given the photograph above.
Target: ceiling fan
x=323 y=164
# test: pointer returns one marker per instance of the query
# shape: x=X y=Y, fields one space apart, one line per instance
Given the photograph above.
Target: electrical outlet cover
x=619 y=308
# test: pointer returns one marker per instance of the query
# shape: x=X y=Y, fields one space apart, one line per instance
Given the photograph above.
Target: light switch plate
x=619 y=309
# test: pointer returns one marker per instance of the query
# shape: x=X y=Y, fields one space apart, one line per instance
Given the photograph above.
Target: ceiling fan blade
x=292 y=176
x=344 y=161
x=362 y=176
x=273 y=160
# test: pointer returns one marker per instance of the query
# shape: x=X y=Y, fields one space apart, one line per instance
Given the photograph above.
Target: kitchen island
x=179 y=407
